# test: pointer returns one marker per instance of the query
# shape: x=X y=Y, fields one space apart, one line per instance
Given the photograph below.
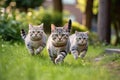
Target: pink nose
x=59 y=38
x=82 y=41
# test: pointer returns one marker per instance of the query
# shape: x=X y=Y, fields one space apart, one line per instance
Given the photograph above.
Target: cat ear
x=41 y=26
x=87 y=32
x=76 y=31
x=66 y=26
x=52 y=27
x=30 y=26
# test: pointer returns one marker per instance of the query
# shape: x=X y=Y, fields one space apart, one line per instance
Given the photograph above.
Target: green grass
x=17 y=64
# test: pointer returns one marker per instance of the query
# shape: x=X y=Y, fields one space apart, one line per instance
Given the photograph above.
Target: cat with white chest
x=58 y=42
x=79 y=44
x=35 y=40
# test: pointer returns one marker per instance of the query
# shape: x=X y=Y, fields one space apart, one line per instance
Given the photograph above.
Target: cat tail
x=23 y=34
x=69 y=25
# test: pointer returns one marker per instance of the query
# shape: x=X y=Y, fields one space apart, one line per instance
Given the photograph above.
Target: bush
x=78 y=27
x=23 y=5
x=36 y=17
x=48 y=19
x=11 y=23
x=57 y=19
x=9 y=27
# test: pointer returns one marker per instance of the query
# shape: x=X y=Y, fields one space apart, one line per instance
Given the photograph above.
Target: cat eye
x=56 y=34
x=54 y=38
x=84 y=38
x=62 y=34
x=33 y=31
x=80 y=38
x=38 y=31
x=66 y=35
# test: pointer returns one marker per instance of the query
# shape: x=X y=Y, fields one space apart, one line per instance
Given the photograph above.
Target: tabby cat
x=58 y=42
x=79 y=44
x=35 y=40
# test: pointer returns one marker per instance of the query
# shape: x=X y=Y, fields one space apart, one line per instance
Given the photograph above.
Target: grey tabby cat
x=58 y=42
x=35 y=40
x=79 y=44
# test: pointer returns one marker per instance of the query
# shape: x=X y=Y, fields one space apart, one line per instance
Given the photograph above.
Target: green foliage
x=39 y=16
x=9 y=27
x=111 y=58
x=93 y=39
x=51 y=18
x=57 y=19
x=47 y=20
x=16 y=64
x=82 y=4
x=11 y=23
x=23 y=4
x=95 y=7
x=78 y=27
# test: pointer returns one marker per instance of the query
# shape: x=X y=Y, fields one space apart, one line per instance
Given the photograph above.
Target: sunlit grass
x=17 y=64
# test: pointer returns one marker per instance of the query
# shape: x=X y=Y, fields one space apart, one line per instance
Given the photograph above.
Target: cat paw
x=59 y=59
x=82 y=55
x=75 y=56
x=31 y=52
x=37 y=52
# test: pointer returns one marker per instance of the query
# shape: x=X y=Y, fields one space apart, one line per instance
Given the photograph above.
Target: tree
x=23 y=5
x=58 y=9
x=86 y=6
x=104 y=23
x=88 y=14
x=116 y=19
x=57 y=4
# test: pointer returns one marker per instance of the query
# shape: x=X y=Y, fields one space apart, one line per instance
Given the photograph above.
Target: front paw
x=75 y=56
x=82 y=55
x=59 y=59
x=37 y=51
x=31 y=51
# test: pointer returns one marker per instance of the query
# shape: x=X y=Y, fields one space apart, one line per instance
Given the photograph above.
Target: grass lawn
x=17 y=64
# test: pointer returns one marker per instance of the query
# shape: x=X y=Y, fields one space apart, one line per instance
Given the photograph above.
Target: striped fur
x=35 y=40
x=58 y=43
x=79 y=44
x=23 y=34
x=69 y=25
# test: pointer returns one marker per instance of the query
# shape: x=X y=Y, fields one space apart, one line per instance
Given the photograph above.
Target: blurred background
x=100 y=17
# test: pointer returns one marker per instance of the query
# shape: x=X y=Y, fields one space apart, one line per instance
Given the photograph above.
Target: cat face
x=81 y=37
x=60 y=35
x=36 y=32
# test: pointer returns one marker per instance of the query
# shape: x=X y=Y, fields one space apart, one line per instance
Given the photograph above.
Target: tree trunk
x=87 y=17
x=117 y=15
x=104 y=29
x=58 y=9
x=57 y=4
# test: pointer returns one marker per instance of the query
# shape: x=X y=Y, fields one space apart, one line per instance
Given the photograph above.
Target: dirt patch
x=114 y=67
